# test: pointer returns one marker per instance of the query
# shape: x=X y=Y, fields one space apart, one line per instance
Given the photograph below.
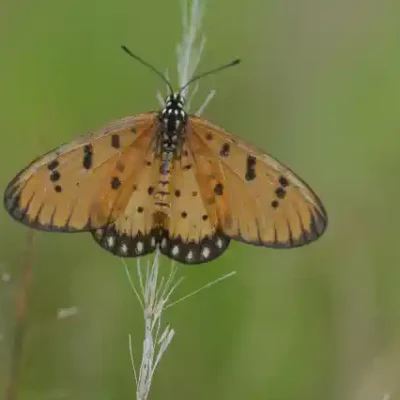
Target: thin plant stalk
x=154 y=292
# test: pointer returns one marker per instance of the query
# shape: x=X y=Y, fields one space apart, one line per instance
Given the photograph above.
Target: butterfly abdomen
x=163 y=190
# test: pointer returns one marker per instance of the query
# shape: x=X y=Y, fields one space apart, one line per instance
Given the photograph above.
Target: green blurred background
x=319 y=88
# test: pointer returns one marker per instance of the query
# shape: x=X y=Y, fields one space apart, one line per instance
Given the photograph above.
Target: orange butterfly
x=167 y=180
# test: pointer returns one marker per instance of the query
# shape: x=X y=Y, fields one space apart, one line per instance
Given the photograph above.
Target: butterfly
x=170 y=181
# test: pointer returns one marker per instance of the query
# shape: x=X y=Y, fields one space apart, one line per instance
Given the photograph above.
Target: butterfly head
x=173 y=102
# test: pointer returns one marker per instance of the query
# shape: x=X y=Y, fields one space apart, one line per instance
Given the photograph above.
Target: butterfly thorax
x=172 y=119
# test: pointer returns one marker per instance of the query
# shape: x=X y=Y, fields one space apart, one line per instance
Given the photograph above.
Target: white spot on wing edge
x=139 y=247
x=175 y=250
x=219 y=242
x=124 y=248
x=205 y=252
x=110 y=241
x=189 y=256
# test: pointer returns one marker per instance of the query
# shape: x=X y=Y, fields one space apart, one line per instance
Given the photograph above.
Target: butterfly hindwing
x=135 y=232
x=78 y=186
x=193 y=234
x=260 y=200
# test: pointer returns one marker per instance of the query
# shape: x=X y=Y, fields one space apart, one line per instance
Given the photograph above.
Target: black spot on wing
x=115 y=183
x=250 y=168
x=53 y=165
x=115 y=141
x=274 y=203
x=87 y=156
x=219 y=189
x=225 y=150
x=55 y=176
x=283 y=181
x=280 y=193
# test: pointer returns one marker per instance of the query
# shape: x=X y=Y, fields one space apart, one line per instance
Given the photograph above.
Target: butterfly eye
x=87 y=161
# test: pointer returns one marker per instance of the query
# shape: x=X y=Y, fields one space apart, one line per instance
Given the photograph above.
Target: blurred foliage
x=319 y=88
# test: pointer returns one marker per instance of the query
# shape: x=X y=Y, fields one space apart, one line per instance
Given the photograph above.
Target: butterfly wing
x=220 y=188
x=83 y=185
x=135 y=232
x=258 y=200
x=192 y=234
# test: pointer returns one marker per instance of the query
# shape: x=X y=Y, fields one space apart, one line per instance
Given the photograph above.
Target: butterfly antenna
x=213 y=71
x=137 y=58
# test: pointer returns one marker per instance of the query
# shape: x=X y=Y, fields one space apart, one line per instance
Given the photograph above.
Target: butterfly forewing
x=78 y=186
x=262 y=201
